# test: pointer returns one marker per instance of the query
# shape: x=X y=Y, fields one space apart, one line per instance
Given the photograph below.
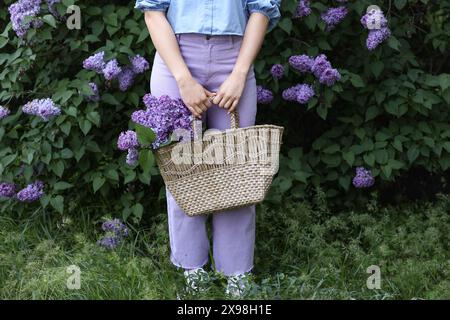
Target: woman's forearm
x=166 y=44
x=252 y=42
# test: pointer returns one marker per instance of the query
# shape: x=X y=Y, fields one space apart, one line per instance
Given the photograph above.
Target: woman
x=205 y=53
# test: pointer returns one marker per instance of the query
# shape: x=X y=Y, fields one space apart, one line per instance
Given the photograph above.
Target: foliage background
x=389 y=113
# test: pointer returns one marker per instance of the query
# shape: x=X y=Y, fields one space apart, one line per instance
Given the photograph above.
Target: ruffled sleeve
x=270 y=8
x=157 y=5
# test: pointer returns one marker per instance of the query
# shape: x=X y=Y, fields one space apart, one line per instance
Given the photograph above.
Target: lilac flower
x=264 y=96
x=333 y=16
x=111 y=70
x=21 y=9
x=302 y=63
x=115 y=231
x=140 y=65
x=300 y=93
x=132 y=157
x=32 y=192
x=126 y=78
x=44 y=108
x=95 y=62
x=51 y=8
x=7 y=190
x=95 y=97
x=163 y=115
x=109 y=242
x=319 y=65
x=374 y=20
x=363 y=178
x=329 y=77
x=127 y=140
x=277 y=71
x=303 y=9
x=4 y=112
x=376 y=37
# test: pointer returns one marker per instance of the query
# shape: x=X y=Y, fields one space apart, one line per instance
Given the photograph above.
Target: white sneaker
x=237 y=286
x=196 y=280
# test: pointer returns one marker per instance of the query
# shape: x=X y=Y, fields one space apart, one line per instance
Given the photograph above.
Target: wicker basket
x=224 y=170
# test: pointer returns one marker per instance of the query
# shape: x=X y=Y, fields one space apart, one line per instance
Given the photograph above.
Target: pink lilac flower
x=376 y=37
x=21 y=9
x=32 y=192
x=277 y=71
x=303 y=9
x=329 y=77
x=300 y=93
x=333 y=16
x=302 y=63
x=44 y=108
x=363 y=178
x=319 y=65
x=95 y=97
x=126 y=78
x=127 y=140
x=163 y=115
x=95 y=62
x=132 y=157
x=4 y=112
x=111 y=70
x=7 y=190
x=140 y=65
x=264 y=96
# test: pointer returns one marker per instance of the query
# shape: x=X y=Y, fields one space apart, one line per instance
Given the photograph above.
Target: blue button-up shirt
x=212 y=16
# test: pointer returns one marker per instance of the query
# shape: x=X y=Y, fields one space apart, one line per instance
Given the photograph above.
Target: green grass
x=303 y=252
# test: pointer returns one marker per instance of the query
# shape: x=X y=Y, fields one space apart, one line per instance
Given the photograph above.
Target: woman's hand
x=196 y=98
x=230 y=91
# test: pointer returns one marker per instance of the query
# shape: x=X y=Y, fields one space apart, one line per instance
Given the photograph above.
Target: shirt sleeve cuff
x=271 y=10
x=153 y=5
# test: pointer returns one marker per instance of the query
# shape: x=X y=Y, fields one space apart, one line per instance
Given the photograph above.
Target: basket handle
x=234 y=120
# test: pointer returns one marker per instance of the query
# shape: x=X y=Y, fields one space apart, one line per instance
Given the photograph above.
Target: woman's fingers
x=233 y=106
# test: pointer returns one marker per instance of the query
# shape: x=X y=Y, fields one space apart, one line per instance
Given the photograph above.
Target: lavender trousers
x=210 y=60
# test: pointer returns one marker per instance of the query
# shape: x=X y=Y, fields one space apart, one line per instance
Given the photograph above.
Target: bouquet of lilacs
x=154 y=126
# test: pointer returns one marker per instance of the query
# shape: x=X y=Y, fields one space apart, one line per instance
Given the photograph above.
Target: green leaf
x=412 y=154
x=50 y=20
x=98 y=183
x=62 y=185
x=399 y=4
x=286 y=25
x=58 y=203
x=145 y=135
x=146 y=160
x=377 y=67
x=357 y=81
x=372 y=112
x=349 y=157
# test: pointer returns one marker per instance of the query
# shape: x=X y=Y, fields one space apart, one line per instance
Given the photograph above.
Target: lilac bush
x=44 y=108
x=363 y=178
x=263 y=95
x=4 y=112
x=7 y=190
x=31 y=192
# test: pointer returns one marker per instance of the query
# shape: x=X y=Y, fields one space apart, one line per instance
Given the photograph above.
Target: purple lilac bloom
x=51 y=8
x=163 y=115
x=264 y=96
x=319 y=65
x=300 y=93
x=109 y=242
x=376 y=37
x=302 y=63
x=329 y=77
x=7 y=190
x=363 y=178
x=303 y=9
x=277 y=71
x=140 y=65
x=126 y=78
x=21 y=9
x=95 y=97
x=127 y=140
x=111 y=70
x=116 y=226
x=333 y=16
x=132 y=157
x=4 y=112
x=95 y=62
x=32 y=192
x=44 y=108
